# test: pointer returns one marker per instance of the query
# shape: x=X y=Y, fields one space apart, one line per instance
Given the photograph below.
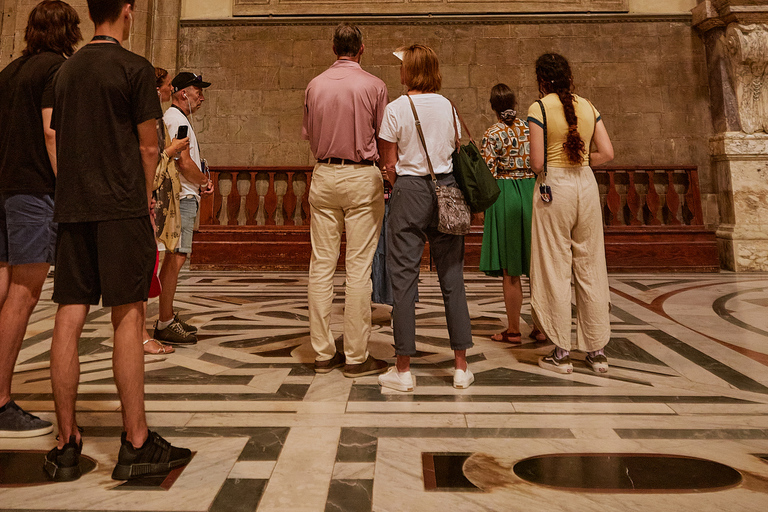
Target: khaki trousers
x=343 y=198
x=567 y=241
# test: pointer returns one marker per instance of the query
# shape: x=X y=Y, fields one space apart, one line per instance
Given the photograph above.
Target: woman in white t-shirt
x=413 y=213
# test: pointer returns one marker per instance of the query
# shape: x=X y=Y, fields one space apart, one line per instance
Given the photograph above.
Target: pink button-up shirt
x=343 y=109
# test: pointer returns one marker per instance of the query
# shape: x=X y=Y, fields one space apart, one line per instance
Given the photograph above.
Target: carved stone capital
x=746 y=51
x=711 y=14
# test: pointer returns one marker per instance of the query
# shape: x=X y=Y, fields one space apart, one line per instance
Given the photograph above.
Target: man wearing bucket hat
x=187 y=99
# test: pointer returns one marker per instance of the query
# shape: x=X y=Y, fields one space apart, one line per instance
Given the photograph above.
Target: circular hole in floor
x=619 y=472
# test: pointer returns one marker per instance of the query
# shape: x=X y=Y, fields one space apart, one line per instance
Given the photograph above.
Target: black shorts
x=112 y=259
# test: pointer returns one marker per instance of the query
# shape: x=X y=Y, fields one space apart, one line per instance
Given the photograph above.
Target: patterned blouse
x=507 y=150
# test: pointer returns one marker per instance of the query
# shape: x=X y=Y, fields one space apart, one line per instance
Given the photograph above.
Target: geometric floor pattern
x=688 y=380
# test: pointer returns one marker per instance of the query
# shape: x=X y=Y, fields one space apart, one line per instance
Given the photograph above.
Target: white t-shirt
x=436 y=116
x=173 y=119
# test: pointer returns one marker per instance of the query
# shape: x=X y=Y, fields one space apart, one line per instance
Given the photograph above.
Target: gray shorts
x=27 y=230
x=188 y=207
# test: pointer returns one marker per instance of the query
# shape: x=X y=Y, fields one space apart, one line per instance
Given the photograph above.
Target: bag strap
x=463 y=127
x=544 y=115
x=421 y=138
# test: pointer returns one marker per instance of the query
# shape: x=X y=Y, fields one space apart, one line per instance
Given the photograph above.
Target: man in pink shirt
x=343 y=109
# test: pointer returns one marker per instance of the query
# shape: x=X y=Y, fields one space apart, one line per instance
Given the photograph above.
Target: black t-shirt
x=101 y=94
x=26 y=87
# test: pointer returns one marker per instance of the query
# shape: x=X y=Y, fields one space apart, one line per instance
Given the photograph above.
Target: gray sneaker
x=16 y=422
x=175 y=334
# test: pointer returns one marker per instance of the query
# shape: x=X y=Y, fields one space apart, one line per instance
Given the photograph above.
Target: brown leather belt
x=341 y=161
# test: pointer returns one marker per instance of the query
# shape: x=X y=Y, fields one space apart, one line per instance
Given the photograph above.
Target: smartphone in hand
x=183 y=132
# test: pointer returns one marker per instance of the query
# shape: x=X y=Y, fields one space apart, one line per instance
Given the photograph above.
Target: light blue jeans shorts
x=188 y=207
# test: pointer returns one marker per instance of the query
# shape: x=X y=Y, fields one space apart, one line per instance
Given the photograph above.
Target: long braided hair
x=554 y=76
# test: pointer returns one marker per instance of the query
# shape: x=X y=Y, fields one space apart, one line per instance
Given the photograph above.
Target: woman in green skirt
x=506 y=250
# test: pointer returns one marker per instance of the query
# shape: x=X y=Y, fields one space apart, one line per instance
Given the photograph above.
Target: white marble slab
x=309 y=452
x=399 y=483
x=253 y=469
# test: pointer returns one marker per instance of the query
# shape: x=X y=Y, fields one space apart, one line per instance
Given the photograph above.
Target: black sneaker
x=16 y=422
x=175 y=334
x=64 y=465
x=551 y=362
x=155 y=457
x=187 y=327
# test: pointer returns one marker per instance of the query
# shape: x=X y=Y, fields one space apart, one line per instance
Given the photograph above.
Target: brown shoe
x=371 y=366
x=337 y=361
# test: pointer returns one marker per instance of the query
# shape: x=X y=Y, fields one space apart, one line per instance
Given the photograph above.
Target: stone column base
x=740 y=162
x=742 y=255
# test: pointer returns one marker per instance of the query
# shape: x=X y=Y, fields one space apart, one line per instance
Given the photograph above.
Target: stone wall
x=16 y=12
x=645 y=73
x=202 y=9
x=389 y=7
x=647 y=77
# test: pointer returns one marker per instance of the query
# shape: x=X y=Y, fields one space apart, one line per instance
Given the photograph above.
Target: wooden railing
x=278 y=196
x=650 y=196
x=258 y=217
x=258 y=196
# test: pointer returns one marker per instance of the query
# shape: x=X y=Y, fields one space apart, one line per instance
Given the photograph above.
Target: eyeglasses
x=198 y=78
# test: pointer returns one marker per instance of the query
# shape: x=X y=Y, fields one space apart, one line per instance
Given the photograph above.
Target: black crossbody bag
x=544 y=190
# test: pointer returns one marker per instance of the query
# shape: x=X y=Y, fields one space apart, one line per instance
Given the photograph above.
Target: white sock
x=163 y=325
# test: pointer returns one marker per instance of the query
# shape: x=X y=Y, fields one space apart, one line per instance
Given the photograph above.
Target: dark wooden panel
x=261 y=249
x=661 y=250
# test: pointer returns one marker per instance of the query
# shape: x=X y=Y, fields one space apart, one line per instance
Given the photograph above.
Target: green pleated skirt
x=507 y=231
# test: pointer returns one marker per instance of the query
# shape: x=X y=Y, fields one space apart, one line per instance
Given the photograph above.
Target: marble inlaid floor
x=688 y=378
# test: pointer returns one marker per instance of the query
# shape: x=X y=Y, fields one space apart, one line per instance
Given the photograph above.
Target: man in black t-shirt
x=105 y=111
x=27 y=181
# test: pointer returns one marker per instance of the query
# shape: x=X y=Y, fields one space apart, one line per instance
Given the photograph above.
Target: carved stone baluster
x=652 y=201
x=281 y=188
x=225 y=188
x=613 y=200
x=633 y=201
x=299 y=189
x=262 y=188
x=270 y=202
x=243 y=188
x=673 y=200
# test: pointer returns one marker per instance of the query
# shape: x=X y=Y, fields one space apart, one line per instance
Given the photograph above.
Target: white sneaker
x=463 y=379
x=400 y=381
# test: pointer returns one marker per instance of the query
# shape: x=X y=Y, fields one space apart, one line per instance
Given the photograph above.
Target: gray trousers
x=412 y=220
